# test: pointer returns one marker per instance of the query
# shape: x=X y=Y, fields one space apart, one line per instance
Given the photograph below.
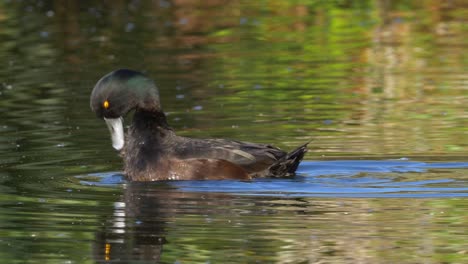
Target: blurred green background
x=361 y=79
x=355 y=77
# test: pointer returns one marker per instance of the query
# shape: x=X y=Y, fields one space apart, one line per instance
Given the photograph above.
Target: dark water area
x=378 y=87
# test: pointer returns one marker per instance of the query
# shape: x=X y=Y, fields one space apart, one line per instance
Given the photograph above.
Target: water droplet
x=197 y=108
x=183 y=21
x=129 y=27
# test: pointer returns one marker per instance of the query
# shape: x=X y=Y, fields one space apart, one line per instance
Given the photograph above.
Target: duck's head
x=117 y=93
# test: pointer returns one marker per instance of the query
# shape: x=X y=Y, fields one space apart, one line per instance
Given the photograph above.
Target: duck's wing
x=250 y=156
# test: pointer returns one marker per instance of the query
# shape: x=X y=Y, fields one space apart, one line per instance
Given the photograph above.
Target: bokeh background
x=373 y=79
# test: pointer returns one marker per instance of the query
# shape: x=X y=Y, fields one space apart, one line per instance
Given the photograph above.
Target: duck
x=151 y=150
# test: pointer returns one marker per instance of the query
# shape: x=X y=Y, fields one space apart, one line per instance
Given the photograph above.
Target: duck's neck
x=150 y=120
x=149 y=138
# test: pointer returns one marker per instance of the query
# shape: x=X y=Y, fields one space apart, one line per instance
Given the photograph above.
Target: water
x=379 y=88
x=344 y=179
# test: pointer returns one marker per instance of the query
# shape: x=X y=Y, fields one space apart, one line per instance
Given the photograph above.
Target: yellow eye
x=105 y=104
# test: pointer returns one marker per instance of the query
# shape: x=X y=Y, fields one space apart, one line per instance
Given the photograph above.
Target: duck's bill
x=117 y=132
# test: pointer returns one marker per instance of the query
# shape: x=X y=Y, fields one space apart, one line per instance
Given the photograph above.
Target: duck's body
x=152 y=151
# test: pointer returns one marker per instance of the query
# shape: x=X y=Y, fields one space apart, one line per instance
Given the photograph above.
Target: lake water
x=378 y=87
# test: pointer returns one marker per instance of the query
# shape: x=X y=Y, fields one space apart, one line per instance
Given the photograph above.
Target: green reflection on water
x=359 y=78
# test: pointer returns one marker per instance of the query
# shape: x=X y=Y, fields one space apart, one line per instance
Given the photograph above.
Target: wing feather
x=250 y=156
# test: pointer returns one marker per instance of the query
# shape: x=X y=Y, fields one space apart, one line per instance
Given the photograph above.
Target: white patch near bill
x=117 y=132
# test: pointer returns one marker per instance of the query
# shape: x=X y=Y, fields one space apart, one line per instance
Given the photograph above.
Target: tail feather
x=287 y=166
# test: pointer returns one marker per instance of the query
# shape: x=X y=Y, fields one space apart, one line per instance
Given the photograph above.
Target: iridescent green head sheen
x=120 y=91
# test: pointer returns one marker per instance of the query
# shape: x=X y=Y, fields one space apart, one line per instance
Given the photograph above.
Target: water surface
x=378 y=87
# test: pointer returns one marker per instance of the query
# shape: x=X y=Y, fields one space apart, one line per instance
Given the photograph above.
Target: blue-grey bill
x=115 y=126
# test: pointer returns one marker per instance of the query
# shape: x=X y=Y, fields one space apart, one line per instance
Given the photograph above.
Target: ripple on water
x=345 y=178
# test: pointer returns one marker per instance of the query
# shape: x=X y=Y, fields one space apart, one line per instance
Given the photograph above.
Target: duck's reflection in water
x=138 y=226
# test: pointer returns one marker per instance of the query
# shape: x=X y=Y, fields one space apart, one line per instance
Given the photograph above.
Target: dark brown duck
x=152 y=151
